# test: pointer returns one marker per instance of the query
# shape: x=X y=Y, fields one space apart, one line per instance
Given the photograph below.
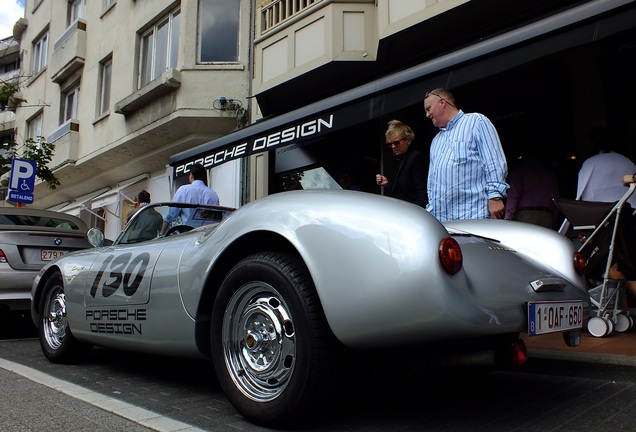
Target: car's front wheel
x=56 y=339
x=271 y=345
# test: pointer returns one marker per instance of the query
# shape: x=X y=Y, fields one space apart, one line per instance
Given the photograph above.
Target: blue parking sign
x=22 y=180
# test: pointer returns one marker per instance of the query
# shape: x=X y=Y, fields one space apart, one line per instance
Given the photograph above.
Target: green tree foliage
x=39 y=151
x=8 y=89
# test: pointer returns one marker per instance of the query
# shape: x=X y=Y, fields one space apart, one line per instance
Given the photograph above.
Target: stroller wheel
x=631 y=321
x=622 y=323
x=597 y=327
x=610 y=325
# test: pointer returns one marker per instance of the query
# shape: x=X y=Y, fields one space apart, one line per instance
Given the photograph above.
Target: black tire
x=271 y=345
x=56 y=340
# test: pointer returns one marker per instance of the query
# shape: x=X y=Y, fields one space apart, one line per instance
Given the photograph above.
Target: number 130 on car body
x=545 y=317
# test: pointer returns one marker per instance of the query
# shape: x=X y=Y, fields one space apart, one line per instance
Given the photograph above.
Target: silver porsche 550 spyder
x=273 y=291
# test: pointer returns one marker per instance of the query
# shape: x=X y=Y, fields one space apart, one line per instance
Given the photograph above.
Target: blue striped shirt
x=467 y=167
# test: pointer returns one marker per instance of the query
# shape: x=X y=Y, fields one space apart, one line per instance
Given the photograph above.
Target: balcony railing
x=66 y=140
x=167 y=82
x=70 y=52
x=78 y=24
x=279 y=11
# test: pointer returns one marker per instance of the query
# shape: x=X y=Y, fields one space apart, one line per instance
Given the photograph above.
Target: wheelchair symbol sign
x=22 y=176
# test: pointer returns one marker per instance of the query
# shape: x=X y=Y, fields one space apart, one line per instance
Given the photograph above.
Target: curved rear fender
x=366 y=278
x=368 y=256
x=364 y=275
x=372 y=275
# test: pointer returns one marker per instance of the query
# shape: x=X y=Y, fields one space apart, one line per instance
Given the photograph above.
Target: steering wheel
x=177 y=229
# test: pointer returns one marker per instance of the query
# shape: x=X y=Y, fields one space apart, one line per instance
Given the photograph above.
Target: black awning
x=407 y=87
x=330 y=115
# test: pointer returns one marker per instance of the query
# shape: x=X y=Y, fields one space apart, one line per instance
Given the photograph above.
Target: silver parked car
x=29 y=239
x=275 y=292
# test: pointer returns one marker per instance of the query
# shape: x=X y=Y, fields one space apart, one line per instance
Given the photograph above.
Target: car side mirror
x=95 y=237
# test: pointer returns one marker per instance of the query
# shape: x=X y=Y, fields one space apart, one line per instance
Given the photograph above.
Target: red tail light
x=579 y=263
x=518 y=353
x=3 y=257
x=450 y=254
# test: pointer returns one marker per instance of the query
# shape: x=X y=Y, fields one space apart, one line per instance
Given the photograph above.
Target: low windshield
x=148 y=221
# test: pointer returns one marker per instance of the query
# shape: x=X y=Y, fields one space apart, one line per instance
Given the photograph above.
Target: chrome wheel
x=54 y=320
x=273 y=351
x=56 y=338
x=259 y=341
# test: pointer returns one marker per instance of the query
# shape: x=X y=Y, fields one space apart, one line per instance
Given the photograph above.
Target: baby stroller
x=606 y=235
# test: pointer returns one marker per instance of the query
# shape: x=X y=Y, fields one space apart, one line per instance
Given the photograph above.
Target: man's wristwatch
x=634 y=177
x=499 y=198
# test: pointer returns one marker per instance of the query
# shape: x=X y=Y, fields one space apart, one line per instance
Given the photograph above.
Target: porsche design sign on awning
x=260 y=143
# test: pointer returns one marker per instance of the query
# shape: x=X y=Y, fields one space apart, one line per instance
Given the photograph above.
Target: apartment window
x=4 y=143
x=9 y=67
x=76 y=10
x=70 y=104
x=160 y=47
x=106 y=70
x=40 y=51
x=219 y=30
x=34 y=128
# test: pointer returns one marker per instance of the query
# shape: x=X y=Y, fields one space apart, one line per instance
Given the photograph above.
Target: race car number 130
x=546 y=317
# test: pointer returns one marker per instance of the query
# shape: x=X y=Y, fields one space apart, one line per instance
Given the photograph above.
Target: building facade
x=330 y=74
x=9 y=75
x=120 y=86
x=316 y=80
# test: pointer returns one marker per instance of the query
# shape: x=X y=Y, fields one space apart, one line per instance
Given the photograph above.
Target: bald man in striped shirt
x=467 y=169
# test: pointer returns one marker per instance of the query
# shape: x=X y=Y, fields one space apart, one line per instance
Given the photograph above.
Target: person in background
x=147 y=225
x=409 y=182
x=196 y=192
x=533 y=188
x=137 y=202
x=628 y=179
x=600 y=175
x=630 y=298
x=616 y=270
x=468 y=168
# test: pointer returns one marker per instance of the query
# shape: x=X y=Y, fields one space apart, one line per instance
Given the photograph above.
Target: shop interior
x=545 y=108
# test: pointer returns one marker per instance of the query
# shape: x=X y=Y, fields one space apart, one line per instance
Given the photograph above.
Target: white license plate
x=550 y=317
x=50 y=254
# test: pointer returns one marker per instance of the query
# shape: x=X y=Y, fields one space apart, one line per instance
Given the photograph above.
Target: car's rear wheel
x=56 y=339
x=271 y=345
